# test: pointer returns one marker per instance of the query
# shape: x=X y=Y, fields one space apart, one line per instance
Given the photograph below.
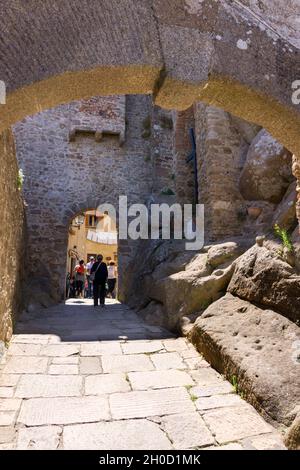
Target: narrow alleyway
x=79 y=378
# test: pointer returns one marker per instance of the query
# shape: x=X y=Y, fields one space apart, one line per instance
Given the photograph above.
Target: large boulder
x=154 y=314
x=285 y=214
x=185 y=293
x=262 y=277
x=222 y=253
x=267 y=171
x=256 y=346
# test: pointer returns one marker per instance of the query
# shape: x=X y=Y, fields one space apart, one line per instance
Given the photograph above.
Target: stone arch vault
x=228 y=53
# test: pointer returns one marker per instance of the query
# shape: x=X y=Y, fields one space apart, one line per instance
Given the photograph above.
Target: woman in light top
x=111 y=279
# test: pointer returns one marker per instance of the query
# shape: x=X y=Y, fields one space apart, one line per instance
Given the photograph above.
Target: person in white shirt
x=111 y=279
x=88 y=273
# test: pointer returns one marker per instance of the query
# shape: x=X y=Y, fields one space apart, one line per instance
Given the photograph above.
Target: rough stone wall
x=12 y=234
x=63 y=178
x=162 y=151
x=219 y=158
x=184 y=173
x=99 y=114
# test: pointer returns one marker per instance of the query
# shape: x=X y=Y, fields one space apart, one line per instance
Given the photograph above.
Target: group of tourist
x=94 y=280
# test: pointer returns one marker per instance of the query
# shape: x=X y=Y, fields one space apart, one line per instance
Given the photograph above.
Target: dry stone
x=268 y=170
x=171 y=360
x=100 y=348
x=106 y=383
x=263 y=278
x=34 y=386
x=159 y=379
x=62 y=350
x=285 y=214
x=235 y=423
x=137 y=434
x=127 y=363
x=150 y=403
x=259 y=347
x=7 y=434
x=218 y=401
x=187 y=431
x=39 y=438
x=137 y=347
x=90 y=365
x=26 y=365
x=45 y=411
x=63 y=369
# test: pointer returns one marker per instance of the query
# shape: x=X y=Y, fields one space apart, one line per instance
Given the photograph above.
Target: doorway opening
x=91 y=233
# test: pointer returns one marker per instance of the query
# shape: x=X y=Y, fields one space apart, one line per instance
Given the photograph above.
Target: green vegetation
x=188 y=387
x=236 y=386
x=20 y=179
x=283 y=235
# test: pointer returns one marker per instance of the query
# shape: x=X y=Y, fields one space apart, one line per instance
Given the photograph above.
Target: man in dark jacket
x=100 y=270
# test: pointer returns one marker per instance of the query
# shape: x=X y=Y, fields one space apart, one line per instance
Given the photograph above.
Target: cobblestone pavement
x=76 y=377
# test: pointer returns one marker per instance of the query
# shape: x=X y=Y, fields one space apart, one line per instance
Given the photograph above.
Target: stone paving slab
x=43 y=411
x=142 y=404
x=35 y=386
x=9 y=380
x=219 y=401
x=138 y=347
x=9 y=404
x=63 y=369
x=6 y=392
x=187 y=431
x=100 y=348
x=26 y=349
x=7 y=418
x=65 y=360
x=59 y=350
x=126 y=363
x=139 y=434
x=178 y=344
x=30 y=339
x=264 y=442
x=7 y=434
x=39 y=438
x=106 y=383
x=159 y=379
x=171 y=360
x=221 y=388
x=235 y=423
x=90 y=365
x=139 y=389
x=25 y=365
x=207 y=377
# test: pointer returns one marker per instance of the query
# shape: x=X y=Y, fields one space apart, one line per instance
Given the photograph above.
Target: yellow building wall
x=81 y=248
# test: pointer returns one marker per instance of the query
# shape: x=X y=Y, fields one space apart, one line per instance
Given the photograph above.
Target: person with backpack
x=98 y=276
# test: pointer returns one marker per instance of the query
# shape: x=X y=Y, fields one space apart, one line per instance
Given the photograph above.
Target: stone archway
x=241 y=59
x=67 y=175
